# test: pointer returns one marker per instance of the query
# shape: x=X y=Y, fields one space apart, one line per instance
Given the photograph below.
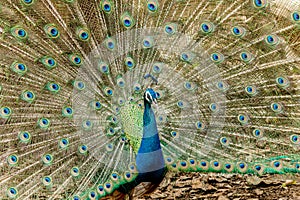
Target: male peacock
x=79 y=78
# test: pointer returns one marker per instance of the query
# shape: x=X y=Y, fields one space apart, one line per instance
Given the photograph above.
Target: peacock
x=100 y=99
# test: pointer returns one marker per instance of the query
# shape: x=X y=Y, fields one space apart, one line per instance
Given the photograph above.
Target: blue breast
x=149 y=160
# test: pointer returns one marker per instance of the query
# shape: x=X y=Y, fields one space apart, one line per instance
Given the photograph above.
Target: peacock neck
x=150 y=157
x=147 y=115
x=150 y=138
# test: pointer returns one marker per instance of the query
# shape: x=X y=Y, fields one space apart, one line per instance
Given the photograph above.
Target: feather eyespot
x=19 y=33
x=63 y=143
x=106 y=6
x=214 y=107
x=19 y=68
x=47 y=159
x=75 y=59
x=83 y=34
x=258 y=133
x=110 y=43
x=296 y=16
x=295 y=139
x=224 y=141
x=246 y=56
x=272 y=40
x=100 y=189
x=75 y=172
x=67 y=111
x=243 y=119
x=27 y=2
x=223 y=86
x=47 y=181
x=78 y=85
x=217 y=57
x=277 y=107
x=157 y=67
x=51 y=31
x=259 y=169
x=282 y=82
x=129 y=63
x=251 y=90
x=238 y=31
x=148 y=42
x=83 y=149
x=12 y=160
x=207 y=27
x=12 y=192
x=43 y=123
x=48 y=62
x=187 y=56
x=152 y=6
x=5 y=112
x=127 y=20
x=103 y=67
x=53 y=87
x=171 y=28
x=260 y=3
x=24 y=137
x=28 y=96
x=242 y=167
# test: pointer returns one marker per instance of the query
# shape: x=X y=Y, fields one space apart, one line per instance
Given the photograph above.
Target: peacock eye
x=147 y=42
x=106 y=6
x=170 y=28
x=51 y=31
x=238 y=31
x=110 y=43
x=27 y=2
x=260 y=3
x=152 y=6
x=272 y=40
x=296 y=16
x=127 y=20
x=246 y=56
x=12 y=193
x=103 y=67
x=217 y=57
x=76 y=198
x=207 y=27
x=83 y=34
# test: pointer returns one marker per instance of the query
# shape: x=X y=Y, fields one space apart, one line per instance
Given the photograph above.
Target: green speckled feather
x=132 y=122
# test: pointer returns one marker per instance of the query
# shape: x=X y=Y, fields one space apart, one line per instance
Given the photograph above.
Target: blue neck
x=149 y=157
x=147 y=116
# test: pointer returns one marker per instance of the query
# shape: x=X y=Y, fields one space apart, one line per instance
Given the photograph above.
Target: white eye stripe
x=148 y=97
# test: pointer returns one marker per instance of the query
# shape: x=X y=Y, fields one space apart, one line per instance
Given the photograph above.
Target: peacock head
x=150 y=96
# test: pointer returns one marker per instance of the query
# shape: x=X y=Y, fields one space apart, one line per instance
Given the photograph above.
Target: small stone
x=185 y=178
x=222 y=198
x=158 y=195
x=182 y=183
x=258 y=192
x=197 y=185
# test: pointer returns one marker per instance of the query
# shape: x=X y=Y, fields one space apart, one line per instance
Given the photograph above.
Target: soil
x=227 y=187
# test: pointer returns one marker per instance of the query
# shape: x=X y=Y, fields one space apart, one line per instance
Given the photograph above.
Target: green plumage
x=132 y=123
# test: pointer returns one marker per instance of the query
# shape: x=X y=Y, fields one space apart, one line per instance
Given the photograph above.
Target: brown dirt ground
x=227 y=187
